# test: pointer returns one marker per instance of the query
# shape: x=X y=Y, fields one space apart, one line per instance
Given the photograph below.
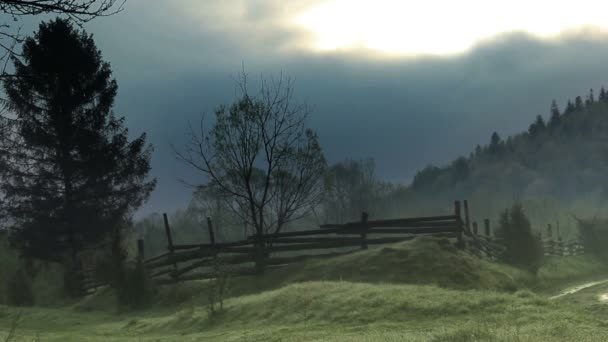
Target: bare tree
x=259 y=154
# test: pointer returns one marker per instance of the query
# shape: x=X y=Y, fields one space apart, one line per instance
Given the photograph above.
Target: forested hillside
x=558 y=166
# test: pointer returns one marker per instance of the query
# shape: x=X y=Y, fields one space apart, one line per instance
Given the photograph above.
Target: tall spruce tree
x=71 y=174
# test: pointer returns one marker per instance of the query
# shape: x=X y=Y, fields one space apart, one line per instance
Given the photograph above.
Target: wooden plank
x=425 y=230
x=168 y=233
x=217 y=245
x=181 y=257
x=140 y=249
x=239 y=259
x=211 y=233
x=365 y=227
x=162 y=272
x=410 y=222
x=460 y=243
x=299 y=258
x=311 y=246
x=304 y=233
x=158 y=257
x=467 y=220
x=204 y=276
x=313 y=239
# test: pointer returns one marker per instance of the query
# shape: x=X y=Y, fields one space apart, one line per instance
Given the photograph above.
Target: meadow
x=422 y=290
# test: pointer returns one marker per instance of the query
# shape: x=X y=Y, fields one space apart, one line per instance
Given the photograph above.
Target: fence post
x=211 y=233
x=467 y=219
x=140 y=250
x=364 y=230
x=475 y=228
x=460 y=243
x=169 y=238
x=486 y=224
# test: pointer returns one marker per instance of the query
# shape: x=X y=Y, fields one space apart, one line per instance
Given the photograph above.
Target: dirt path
x=575 y=289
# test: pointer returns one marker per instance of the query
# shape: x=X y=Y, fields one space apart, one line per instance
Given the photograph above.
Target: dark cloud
x=173 y=65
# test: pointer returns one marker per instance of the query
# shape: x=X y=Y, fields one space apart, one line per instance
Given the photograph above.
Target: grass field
x=389 y=296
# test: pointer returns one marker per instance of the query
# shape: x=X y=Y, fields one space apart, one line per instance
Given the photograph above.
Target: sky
x=407 y=83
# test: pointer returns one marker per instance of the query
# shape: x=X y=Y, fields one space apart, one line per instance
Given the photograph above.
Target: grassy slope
x=386 y=293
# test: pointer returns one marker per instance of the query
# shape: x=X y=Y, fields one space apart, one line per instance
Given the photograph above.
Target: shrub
x=19 y=289
x=523 y=248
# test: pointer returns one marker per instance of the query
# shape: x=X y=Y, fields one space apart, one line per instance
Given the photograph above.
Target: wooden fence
x=260 y=252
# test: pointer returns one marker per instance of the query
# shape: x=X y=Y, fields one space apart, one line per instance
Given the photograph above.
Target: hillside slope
x=558 y=166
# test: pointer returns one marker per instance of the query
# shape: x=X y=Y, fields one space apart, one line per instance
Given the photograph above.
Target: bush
x=19 y=289
x=523 y=248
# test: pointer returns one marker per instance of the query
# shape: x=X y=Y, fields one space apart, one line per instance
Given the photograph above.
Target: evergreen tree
x=478 y=151
x=591 y=97
x=554 y=119
x=71 y=173
x=496 y=145
x=537 y=127
x=523 y=248
x=578 y=103
x=602 y=93
x=569 y=108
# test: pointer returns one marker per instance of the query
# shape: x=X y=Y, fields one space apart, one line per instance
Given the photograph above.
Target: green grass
x=334 y=311
x=421 y=290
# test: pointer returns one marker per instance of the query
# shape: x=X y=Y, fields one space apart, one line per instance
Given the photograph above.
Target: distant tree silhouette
x=425 y=177
x=71 y=173
x=569 y=107
x=537 y=127
x=578 y=103
x=460 y=170
x=554 y=119
x=496 y=145
x=602 y=94
x=350 y=189
x=478 y=151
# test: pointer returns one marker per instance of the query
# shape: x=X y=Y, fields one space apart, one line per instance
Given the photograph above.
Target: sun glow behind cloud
x=440 y=26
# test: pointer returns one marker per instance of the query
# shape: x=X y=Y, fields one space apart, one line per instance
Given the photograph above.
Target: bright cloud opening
x=440 y=26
